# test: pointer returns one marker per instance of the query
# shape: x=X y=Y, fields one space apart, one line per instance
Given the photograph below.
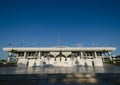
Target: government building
x=59 y=56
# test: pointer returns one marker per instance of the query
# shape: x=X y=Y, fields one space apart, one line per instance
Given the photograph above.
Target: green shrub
x=3 y=60
x=111 y=61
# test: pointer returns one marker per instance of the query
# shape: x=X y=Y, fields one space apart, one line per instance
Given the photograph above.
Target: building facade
x=59 y=56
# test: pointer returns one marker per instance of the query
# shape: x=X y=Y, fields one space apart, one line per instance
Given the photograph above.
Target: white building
x=59 y=56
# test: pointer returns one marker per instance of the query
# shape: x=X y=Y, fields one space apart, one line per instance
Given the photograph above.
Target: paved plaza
x=107 y=75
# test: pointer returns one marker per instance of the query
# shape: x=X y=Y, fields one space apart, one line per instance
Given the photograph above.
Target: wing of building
x=59 y=56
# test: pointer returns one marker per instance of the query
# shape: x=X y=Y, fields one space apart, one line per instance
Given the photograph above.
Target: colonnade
x=39 y=55
x=60 y=56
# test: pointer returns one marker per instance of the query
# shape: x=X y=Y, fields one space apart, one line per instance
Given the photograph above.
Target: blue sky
x=42 y=23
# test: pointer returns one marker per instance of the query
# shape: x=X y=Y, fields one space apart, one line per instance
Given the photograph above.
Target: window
x=30 y=53
x=44 y=53
x=21 y=54
x=99 y=53
x=76 y=53
x=88 y=53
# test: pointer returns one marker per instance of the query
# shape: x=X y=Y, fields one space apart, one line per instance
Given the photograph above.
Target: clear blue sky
x=43 y=22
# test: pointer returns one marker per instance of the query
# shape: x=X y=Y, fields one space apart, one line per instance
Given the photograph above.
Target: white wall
x=88 y=62
x=22 y=62
x=98 y=62
x=31 y=62
x=81 y=62
x=38 y=62
x=52 y=62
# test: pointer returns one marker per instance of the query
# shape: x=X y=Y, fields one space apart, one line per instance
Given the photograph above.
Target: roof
x=18 y=49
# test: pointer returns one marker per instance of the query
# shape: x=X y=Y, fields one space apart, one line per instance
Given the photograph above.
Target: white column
x=109 y=55
x=9 y=57
x=95 y=54
x=16 y=57
x=103 y=57
x=44 y=58
x=81 y=55
x=48 y=56
x=66 y=58
x=24 y=54
x=39 y=55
